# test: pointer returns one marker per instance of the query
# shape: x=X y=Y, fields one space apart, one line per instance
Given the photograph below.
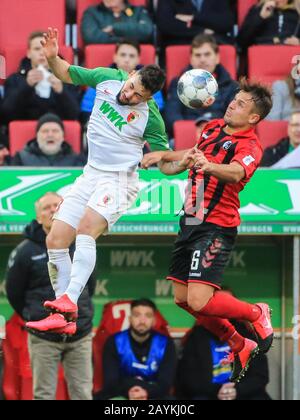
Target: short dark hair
x=127 y=41
x=152 y=78
x=202 y=39
x=33 y=35
x=143 y=302
x=261 y=94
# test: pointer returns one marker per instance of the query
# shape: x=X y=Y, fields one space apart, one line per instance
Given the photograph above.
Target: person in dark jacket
x=271 y=22
x=113 y=20
x=139 y=363
x=179 y=21
x=202 y=374
x=34 y=90
x=49 y=147
x=204 y=55
x=27 y=287
x=285 y=146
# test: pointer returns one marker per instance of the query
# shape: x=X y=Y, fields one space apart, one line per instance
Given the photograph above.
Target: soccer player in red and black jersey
x=221 y=164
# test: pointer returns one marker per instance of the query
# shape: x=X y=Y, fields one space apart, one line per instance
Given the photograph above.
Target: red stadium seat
x=13 y=56
x=178 y=58
x=17 y=376
x=18 y=18
x=20 y=132
x=270 y=132
x=115 y=318
x=82 y=5
x=243 y=7
x=184 y=135
x=102 y=55
x=270 y=63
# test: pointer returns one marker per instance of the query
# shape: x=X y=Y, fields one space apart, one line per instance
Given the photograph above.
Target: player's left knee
x=197 y=303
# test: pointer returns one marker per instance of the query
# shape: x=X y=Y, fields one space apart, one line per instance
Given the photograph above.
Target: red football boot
x=263 y=328
x=65 y=306
x=69 y=330
x=50 y=323
x=241 y=361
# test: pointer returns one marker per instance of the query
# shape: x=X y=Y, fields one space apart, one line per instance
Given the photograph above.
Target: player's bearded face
x=133 y=92
x=241 y=111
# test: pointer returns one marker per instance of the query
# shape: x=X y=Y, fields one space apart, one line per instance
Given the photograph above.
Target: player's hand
x=138 y=393
x=227 y=393
x=268 y=9
x=201 y=162
x=188 y=160
x=34 y=76
x=50 y=43
x=56 y=84
x=151 y=159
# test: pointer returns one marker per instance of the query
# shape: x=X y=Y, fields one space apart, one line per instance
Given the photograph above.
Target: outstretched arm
x=59 y=67
x=172 y=167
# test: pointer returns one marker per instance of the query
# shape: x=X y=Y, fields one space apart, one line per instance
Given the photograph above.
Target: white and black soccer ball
x=197 y=88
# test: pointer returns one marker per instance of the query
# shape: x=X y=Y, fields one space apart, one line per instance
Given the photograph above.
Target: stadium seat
x=178 y=58
x=184 y=135
x=18 y=18
x=17 y=375
x=115 y=318
x=243 y=7
x=102 y=55
x=270 y=63
x=82 y=5
x=270 y=132
x=20 y=132
x=13 y=56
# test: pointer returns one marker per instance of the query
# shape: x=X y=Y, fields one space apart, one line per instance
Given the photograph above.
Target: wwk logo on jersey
x=112 y=115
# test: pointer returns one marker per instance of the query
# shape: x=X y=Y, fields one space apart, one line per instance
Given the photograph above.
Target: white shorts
x=110 y=194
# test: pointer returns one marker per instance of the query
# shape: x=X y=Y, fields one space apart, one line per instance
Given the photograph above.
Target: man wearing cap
x=49 y=148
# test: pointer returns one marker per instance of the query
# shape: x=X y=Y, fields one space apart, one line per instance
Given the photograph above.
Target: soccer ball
x=197 y=88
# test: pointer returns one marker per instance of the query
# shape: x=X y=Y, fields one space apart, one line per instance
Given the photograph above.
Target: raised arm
x=59 y=67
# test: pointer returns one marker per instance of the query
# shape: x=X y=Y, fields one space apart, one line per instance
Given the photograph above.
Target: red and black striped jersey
x=221 y=200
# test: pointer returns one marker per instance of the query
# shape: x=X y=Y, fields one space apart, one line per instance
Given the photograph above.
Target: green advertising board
x=269 y=205
x=130 y=269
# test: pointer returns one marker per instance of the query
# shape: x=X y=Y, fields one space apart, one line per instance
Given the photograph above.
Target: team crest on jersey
x=227 y=145
x=133 y=117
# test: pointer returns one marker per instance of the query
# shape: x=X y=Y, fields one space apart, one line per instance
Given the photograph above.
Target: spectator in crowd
x=204 y=55
x=138 y=364
x=286 y=96
x=34 y=91
x=200 y=123
x=204 y=374
x=113 y=20
x=179 y=21
x=27 y=287
x=271 y=22
x=285 y=146
x=4 y=155
x=127 y=57
x=49 y=148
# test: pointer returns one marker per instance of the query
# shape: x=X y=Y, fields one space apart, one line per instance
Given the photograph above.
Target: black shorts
x=201 y=254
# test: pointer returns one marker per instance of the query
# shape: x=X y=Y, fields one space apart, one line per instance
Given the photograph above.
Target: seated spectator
x=179 y=21
x=49 y=147
x=204 y=55
x=286 y=96
x=285 y=146
x=138 y=364
x=127 y=58
x=34 y=91
x=113 y=20
x=204 y=374
x=271 y=22
x=28 y=286
x=4 y=155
